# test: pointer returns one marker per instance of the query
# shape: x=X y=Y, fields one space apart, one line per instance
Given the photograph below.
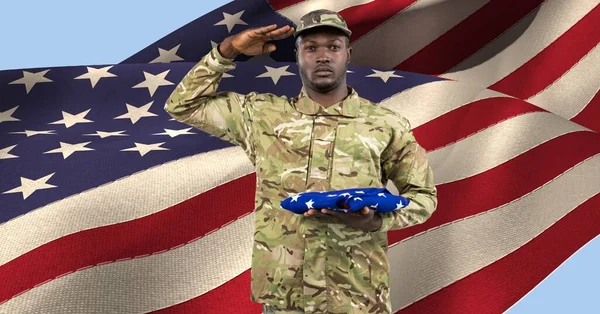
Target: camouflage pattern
x=309 y=264
x=322 y=18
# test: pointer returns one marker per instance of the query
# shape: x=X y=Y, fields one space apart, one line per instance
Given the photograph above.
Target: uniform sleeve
x=196 y=103
x=404 y=162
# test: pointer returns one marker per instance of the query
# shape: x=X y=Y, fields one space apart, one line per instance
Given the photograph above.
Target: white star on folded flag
x=29 y=79
x=310 y=204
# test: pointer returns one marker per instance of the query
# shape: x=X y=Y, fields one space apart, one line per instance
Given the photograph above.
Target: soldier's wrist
x=226 y=50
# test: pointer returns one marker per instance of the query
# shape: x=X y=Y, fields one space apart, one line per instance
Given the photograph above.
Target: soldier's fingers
x=313 y=212
x=263 y=31
x=282 y=31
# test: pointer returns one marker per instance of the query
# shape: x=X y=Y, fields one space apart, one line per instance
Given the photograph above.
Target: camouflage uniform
x=308 y=264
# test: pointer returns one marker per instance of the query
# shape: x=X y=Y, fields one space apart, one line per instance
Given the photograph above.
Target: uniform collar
x=348 y=107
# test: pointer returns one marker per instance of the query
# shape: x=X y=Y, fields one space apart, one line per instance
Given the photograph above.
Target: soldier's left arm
x=405 y=163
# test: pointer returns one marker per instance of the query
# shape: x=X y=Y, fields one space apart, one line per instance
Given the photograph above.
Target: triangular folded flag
x=349 y=200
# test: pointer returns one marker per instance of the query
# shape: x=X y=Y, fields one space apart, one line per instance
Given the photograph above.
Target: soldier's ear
x=349 y=54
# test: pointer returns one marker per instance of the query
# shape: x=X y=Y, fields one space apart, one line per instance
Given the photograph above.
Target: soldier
x=326 y=138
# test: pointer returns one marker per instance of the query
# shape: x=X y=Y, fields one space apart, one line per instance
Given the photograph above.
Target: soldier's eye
x=310 y=48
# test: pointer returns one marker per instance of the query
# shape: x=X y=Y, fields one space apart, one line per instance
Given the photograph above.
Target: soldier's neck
x=330 y=98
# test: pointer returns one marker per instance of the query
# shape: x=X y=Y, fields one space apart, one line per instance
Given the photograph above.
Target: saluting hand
x=253 y=41
x=366 y=219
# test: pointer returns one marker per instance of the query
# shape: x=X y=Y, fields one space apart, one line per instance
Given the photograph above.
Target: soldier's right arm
x=195 y=102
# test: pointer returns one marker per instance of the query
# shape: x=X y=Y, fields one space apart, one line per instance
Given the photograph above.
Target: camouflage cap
x=322 y=17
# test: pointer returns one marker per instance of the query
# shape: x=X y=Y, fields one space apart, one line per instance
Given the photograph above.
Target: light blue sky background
x=58 y=33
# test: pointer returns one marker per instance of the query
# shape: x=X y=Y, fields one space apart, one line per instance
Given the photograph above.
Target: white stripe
x=420 y=265
x=410 y=31
x=553 y=19
x=168 y=184
x=571 y=93
x=296 y=11
x=432 y=260
x=426 y=102
x=497 y=144
x=148 y=283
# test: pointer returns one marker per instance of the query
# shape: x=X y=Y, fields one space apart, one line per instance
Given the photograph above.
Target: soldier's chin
x=324 y=85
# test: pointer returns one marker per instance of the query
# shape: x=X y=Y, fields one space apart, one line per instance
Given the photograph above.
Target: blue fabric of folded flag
x=348 y=200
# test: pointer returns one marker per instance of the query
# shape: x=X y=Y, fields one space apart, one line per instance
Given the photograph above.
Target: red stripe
x=364 y=18
x=468 y=36
x=232 y=297
x=506 y=182
x=160 y=231
x=469 y=119
x=555 y=60
x=498 y=286
x=589 y=117
x=282 y=4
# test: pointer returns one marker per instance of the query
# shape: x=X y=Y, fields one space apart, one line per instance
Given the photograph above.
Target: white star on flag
x=375 y=206
x=136 y=113
x=102 y=134
x=6 y=116
x=383 y=75
x=70 y=120
x=358 y=199
x=398 y=205
x=382 y=195
x=360 y=192
x=167 y=56
x=67 y=149
x=295 y=197
x=4 y=153
x=346 y=194
x=29 y=186
x=32 y=133
x=175 y=133
x=276 y=73
x=143 y=149
x=231 y=20
x=153 y=82
x=310 y=204
x=29 y=79
x=94 y=75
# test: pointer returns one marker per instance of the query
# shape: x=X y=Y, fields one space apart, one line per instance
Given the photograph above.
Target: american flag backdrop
x=107 y=205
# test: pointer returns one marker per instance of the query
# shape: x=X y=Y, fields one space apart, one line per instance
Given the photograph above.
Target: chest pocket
x=357 y=155
x=292 y=141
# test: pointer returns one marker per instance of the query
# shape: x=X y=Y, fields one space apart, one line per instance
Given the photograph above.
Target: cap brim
x=346 y=31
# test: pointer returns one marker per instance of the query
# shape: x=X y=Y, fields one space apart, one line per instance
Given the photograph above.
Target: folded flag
x=348 y=200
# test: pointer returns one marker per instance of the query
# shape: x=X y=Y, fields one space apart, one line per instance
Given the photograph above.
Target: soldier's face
x=323 y=58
